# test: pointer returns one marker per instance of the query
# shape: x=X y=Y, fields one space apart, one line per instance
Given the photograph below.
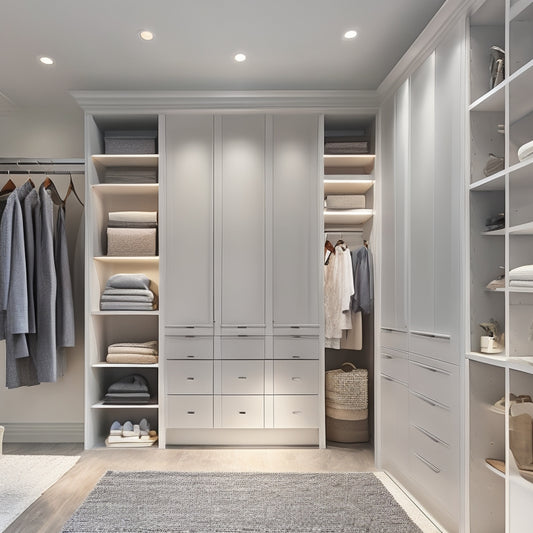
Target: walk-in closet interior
x=336 y=267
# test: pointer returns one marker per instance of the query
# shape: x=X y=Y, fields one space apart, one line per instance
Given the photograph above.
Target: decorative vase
x=490 y=345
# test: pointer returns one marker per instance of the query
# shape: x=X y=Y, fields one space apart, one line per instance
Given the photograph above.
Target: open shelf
x=357 y=163
x=496 y=232
x=126 y=313
x=347 y=184
x=347 y=216
x=494 y=100
x=522 y=229
x=520 y=83
x=496 y=359
x=495 y=470
x=133 y=160
x=496 y=182
x=127 y=259
x=124 y=365
x=151 y=405
x=118 y=189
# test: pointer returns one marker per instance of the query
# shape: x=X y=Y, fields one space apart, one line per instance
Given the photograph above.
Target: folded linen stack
x=131 y=435
x=128 y=292
x=132 y=389
x=345 y=145
x=130 y=175
x=345 y=201
x=132 y=233
x=521 y=276
x=133 y=353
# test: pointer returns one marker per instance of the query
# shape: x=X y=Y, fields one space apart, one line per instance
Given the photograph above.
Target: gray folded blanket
x=127 y=306
x=128 y=281
x=126 y=298
x=131 y=383
x=126 y=224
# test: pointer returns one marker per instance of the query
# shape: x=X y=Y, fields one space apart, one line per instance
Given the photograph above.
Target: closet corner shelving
x=501 y=120
x=106 y=327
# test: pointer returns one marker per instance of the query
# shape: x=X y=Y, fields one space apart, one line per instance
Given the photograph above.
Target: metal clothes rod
x=24 y=165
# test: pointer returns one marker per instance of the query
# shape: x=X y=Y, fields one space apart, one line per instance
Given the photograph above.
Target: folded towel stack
x=133 y=353
x=128 y=292
x=130 y=175
x=345 y=145
x=521 y=276
x=345 y=201
x=132 y=389
x=132 y=233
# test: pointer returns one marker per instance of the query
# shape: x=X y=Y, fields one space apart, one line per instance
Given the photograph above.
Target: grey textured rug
x=227 y=502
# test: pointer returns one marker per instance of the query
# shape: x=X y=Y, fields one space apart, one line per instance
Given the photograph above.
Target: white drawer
x=295 y=377
x=296 y=329
x=242 y=347
x=296 y=347
x=394 y=338
x=296 y=411
x=437 y=419
x=395 y=364
x=243 y=377
x=432 y=345
x=243 y=411
x=428 y=445
x=189 y=411
x=188 y=347
x=189 y=377
x=202 y=329
x=434 y=379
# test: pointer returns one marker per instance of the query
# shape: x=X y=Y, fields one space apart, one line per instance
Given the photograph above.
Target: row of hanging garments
x=348 y=294
x=36 y=303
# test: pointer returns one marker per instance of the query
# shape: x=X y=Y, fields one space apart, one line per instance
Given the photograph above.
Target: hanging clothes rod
x=41 y=166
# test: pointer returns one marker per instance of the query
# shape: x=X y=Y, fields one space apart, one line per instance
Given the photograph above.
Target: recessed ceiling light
x=46 y=60
x=146 y=35
x=350 y=34
x=240 y=57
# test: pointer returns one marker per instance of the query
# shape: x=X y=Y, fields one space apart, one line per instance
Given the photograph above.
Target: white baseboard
x=43 y=432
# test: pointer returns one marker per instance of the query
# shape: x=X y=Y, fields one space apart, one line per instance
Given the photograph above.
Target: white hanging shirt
x=338 y=290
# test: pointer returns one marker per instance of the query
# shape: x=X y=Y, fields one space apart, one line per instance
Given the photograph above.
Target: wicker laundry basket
x=347 y=404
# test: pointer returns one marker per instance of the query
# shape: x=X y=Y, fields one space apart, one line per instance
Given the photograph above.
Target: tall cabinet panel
x=422 y=196
x=295 y=217
x=188 y=236
x=243 y=220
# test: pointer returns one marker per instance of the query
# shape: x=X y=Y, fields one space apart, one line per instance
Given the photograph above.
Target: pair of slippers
x=142 y=429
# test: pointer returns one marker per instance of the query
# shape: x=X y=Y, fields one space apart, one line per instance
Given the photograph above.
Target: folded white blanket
x=132 y=349
x=525 y=151
x=521 y=273
x=147 y=344
x=522 y=283
x=133 y=216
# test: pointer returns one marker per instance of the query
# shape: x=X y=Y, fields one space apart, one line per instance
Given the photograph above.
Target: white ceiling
x=290 y=44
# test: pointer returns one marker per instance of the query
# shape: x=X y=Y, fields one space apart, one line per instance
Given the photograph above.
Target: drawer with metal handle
x=242 y=347
x=243 y=377
x=296 y=411
x=395 y=364
x=296 y=347
x=188 y=347
x=394 y=338
x=435 y=345
x=243 y=411
x=295 y=377
x=189 y=411
x=189 y=377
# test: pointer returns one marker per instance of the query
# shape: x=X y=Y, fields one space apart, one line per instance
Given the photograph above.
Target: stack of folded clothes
x=133 y=353
x=495 y=222
x=131 y=435
x=132 y=233
x=345 y=145
x=130 y=175
x=521 y=276
x=128 y=292
x=129 y=390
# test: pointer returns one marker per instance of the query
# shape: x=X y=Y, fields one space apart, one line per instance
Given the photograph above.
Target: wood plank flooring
x=49 y=513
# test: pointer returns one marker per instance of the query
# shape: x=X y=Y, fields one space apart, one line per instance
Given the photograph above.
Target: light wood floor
x=58 y=503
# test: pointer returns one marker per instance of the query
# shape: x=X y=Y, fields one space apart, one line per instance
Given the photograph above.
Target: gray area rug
x=228 y=502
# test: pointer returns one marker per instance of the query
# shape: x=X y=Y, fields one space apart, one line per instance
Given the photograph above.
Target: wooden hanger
x=329 y=249
x=49 y=185
x=72 y=189
x=8 y=187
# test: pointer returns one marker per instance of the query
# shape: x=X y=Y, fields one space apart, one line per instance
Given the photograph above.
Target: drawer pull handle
x=296 y=357
x=393 y=330
x=431 y=368
x=387 y=356
x=191 y=412
x=295 y=327
x=428 y=464
x=296 y=336
x=241 y=336
x=190 y=379
x=296 y=412
x=242 y=377
x=296 y=378
x=242 y=327
x=431 y=335
x=429 y=435
x=242 y=412
x=191 y=357
x=189 y=336
x=430 y=402
x=189 y=327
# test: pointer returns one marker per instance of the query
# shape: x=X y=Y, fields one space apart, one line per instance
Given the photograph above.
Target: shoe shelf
x=495 y=182
x=356 y=163
x=119 y=189
x=130 y=160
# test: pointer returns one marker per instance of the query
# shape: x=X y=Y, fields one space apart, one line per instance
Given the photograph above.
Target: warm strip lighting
x=46 y=60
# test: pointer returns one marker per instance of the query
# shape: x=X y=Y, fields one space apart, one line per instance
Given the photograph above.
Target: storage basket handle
x=348 y=367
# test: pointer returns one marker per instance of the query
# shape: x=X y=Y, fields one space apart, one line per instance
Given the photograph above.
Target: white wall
x=50 y=411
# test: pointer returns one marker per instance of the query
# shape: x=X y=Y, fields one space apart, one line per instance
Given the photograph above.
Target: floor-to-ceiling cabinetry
x=501 y=121
x=241 y=311
x=421 y=305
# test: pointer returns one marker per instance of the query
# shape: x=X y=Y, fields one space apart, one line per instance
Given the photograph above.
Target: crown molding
x=144 y=102
x=448 y=15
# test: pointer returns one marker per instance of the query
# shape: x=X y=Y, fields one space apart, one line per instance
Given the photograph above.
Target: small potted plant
x=492 y=340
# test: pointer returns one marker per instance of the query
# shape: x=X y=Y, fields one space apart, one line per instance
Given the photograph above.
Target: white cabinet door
x=296 y=257
x=243 y=220
x=188 y=223
x=422 y=197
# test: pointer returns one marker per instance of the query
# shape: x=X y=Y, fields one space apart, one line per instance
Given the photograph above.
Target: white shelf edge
x=520 y=165
x=499 y=289
x=103 y=187
x=518 y=7
x=517 y=73
x=495 y=470
x=495 y=232
x=495 y=360
x=522 y=229
x=485 y=181
x=520 y=364
x=487 y=96
x=100 y=405
x=351 y=156
x=126 y=258
x=124 y=365
x=125 y=313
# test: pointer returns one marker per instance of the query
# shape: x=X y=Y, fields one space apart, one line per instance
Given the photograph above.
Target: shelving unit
x=107 y=327
x=499 y=502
